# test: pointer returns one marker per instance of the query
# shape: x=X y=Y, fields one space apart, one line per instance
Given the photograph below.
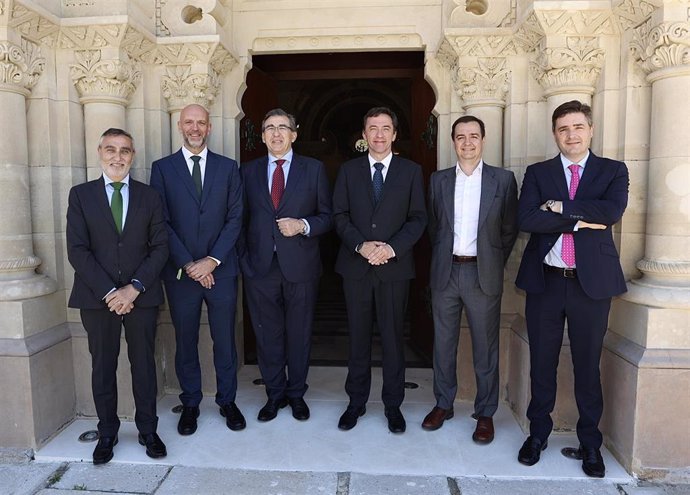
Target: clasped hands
x=290 y=227
x=202 y=271
x=121 y=301
x=557 y=207
x=376 y=252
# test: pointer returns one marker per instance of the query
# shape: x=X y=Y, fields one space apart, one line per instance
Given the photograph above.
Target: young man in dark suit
x=287 y=208
x=202 y=204
x=379 y=212
x=473 y=227
x=570 y=270
x=117 y=244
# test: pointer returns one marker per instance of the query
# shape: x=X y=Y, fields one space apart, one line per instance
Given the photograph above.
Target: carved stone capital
x=575 y=66
x=664 y=46
x=104 y=80
x=487 y=83
x=181 y=87
x=20 y=66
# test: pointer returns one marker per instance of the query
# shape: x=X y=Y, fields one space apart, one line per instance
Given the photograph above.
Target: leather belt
x=565 y=272
x=464 y=259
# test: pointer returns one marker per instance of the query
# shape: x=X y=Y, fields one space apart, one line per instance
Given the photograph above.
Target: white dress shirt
x=386 y=163
x=125 y=195
x=468 y=192
x=202 y=163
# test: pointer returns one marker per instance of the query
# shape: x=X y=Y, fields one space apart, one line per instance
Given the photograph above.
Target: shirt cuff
x=109 y=292
x=307 y=227
x=215 y=259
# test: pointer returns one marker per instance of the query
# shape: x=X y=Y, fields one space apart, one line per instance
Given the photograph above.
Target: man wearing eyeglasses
x=287 y=207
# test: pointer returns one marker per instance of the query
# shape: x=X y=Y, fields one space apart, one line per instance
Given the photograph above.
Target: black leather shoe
x=531 y=451
x=396 y=421
x=187 y=423
x=104 y=449
x=300 y=409
x=592 y=462
x=349 y=418
x=233 y=417
x=270 y=410
x=155 y=448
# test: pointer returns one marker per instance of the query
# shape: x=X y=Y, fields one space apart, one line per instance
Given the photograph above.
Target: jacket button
x=119 y=244
x=373 y=225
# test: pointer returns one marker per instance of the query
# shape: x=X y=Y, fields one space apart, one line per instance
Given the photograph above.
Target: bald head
x=194 y=125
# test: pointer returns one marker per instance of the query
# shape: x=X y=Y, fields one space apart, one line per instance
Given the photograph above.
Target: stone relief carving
x=662 y=46
x=577 y=22
x=487 y=81
x=33 y=26
x=20 y=66
x=577 y=64
x=529 y=34
x=27 y=263
x=181 y=87
x=631 y=13
x=483 y=46
x=96 y=78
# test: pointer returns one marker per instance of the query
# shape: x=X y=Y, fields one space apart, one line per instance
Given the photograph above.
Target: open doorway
x=329 y=93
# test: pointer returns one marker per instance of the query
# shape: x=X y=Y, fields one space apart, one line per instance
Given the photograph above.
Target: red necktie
x=568 y=244
x=277 y=183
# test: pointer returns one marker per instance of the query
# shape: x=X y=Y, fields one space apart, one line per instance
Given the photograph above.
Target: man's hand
x=586 y=225
x=200 y=269
x=376 y=252
x=208 y=281
x=121 y=301
x=556 y=206
x=290 y=226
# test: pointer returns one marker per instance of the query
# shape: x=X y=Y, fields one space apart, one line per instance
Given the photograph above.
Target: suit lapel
x=260 y=180
x=100 y=199
x=212 y=166
x=179 y=165
x=555 y=168
x=448 y=193
x=364 y=177
x=392 y=176
x=589 y=173
x=134 y=204
x=488 y=192
x=294 y=178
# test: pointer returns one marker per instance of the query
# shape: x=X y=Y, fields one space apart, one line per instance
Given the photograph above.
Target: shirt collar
x=477 y=170
x=108 y=180
x=386 y=161
x=287 y=157
x=566 y=163
x=187 y=154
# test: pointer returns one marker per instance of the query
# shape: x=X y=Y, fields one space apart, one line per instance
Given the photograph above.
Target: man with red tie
x=570 y=270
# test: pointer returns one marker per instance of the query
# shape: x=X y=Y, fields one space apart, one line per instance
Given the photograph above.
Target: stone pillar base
x=34 y=286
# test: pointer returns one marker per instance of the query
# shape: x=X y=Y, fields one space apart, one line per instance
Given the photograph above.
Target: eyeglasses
x=281 y=128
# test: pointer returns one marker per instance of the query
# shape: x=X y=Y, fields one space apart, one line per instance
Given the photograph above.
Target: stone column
x=483 y=90
x=183 y=85
x=20 y=67
x=567 y=68
x=105 y=80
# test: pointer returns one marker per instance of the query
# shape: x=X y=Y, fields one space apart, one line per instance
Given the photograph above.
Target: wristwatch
x=138 y=286
x=549 y=204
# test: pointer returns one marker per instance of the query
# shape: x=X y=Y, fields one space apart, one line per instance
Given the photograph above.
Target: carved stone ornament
x=488 y=82
x=664 y=46
x=577 y=65
x=181 y=88
x=631 y=13
x=105 y=80
x=20 y=66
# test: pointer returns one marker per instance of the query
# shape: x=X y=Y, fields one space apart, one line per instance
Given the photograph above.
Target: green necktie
x=196 y=174
x=116 y=205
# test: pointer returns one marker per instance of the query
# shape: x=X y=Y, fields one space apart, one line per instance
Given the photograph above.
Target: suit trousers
x=546 y=312
x=104 y=329
x=185 y=297
x=484 y=316
x=366 y=299
x=282 y=315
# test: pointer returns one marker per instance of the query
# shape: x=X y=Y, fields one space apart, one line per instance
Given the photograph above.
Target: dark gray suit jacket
x=497 y=228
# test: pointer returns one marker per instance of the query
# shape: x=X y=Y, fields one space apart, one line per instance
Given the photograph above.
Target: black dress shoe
x=104 y=449
x=592 y=462
x=233 y=417
x=155 y=448
x=396 y=421
x=187 y=423
x=300 y=409
x=531 y=451
x=349 y=418
x=270 y=410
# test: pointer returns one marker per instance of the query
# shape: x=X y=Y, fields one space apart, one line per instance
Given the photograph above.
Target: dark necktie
x=378 y=181
x=116 y=205
x=196 y=174
x=277 y=183
x=568 y=241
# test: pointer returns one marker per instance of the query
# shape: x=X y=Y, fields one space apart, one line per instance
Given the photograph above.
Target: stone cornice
x=181 y=87
x=287 y=43
x=485 y=84
x=104 y=80
x=575 y=66
x=20 y=66
x=664 y=46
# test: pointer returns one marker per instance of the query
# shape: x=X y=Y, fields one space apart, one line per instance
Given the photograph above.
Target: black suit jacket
x=102 y=258
x=398 y=219
x=601 y=197
x=307 y=196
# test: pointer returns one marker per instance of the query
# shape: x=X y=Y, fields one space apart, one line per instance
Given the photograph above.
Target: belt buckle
x=569 y=272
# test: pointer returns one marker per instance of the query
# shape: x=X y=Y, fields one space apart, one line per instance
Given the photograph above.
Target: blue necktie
x=378 y=182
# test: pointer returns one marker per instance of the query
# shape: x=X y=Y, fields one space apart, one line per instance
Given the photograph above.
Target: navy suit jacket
x=398 y=219
x=202 y=227
x=601 y=197
x=307 y=196
x=102 y=258
x=496 y=230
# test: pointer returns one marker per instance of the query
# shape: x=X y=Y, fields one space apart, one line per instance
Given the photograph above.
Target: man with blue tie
x=287 y=209
x=570 y=270
x=117 y=244
x=202 y=203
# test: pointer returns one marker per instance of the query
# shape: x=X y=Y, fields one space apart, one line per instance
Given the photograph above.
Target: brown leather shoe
x=484 y=432
x=434 y=420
